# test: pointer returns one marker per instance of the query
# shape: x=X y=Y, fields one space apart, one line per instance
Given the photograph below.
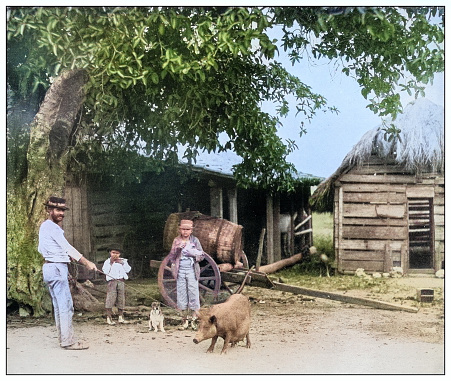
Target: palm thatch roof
x=420 y=148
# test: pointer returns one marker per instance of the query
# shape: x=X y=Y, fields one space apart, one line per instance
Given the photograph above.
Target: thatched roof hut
x=420 y=147
x=388 y=196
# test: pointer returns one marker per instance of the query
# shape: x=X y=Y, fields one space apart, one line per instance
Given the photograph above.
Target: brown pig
x=230 y=320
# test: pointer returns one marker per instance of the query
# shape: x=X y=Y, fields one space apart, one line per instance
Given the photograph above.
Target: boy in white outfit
x=115 y=268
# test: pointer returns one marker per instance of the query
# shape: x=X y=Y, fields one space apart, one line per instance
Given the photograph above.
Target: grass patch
x=296 y=277
x=323 y=225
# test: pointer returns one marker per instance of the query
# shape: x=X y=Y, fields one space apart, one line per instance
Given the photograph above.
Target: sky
x=330 y=136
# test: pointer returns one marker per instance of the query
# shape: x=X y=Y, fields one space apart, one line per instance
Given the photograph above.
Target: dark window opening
x=421 y=242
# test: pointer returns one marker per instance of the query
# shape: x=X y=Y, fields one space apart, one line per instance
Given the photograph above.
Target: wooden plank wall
x=439 y=222
x=76 y=224
x=109 y=223
x=371 y=218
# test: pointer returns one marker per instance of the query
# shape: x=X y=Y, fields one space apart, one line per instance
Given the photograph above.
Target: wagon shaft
x=261 y=280
x=256 y=279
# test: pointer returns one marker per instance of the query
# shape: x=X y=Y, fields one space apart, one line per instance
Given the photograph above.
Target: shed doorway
x=421 y=237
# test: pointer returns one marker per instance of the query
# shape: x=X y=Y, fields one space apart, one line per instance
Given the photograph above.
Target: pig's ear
x=212 y=319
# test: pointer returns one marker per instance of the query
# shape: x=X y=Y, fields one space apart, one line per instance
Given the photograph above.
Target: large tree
x=121 y=81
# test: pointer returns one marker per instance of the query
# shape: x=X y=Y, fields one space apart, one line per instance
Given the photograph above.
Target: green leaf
x=154 y=78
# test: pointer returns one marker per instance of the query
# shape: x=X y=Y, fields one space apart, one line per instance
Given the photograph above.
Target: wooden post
x=338 y=227
x=276 y=229
x=291 y=242
x=388 y=260
x=404 y=258
x=233 y=209
x=310 y=224
x=269 y=229
x=216 y=209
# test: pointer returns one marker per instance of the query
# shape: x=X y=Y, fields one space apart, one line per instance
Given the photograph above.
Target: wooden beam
x=373 y=211
x=303 y=232
x=342 y=298
x=302 y=222
x=419 y=191
x=376 y=197
x=371 y=179
x=375 y=232
x=258 y=279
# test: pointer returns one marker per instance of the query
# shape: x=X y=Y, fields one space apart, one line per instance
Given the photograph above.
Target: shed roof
x=221 y=164
x=420 y=147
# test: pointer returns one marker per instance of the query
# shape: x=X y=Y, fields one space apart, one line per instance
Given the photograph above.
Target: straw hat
x=56 y=202
x=186 y=224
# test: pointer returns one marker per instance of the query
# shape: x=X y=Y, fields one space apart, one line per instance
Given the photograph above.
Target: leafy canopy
x=164 y=76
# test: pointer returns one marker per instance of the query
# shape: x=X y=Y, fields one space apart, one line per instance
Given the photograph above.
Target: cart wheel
x=209 y=282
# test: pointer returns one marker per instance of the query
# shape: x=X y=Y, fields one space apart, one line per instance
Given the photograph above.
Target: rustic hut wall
x=439 y=220
x=109 y=222
x=371 y=217
x=76 y=224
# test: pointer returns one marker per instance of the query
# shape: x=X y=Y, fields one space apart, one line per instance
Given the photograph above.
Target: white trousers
x=56 y=277
x=187 y=290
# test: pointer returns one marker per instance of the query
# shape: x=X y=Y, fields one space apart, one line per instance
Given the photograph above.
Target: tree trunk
x=50 y=135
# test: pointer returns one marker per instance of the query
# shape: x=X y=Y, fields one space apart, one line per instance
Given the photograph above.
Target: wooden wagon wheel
x=209 y=282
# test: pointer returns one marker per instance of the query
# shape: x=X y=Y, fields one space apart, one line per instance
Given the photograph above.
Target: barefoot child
x=185 y=254
x=115 y=268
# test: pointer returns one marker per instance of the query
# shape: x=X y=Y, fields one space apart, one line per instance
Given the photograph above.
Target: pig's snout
x=195 y=341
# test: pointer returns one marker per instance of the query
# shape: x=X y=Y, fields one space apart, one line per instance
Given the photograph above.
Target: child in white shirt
x=115 y=268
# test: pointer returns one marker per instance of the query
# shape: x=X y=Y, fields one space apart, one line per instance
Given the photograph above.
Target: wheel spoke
x=207 y=278
x=206 y=288
x=206 y=267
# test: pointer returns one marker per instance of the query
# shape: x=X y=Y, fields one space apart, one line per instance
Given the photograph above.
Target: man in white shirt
x=57 y=252
x=115 y=268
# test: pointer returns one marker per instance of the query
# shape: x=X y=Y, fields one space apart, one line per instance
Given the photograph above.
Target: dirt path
x=289 y=335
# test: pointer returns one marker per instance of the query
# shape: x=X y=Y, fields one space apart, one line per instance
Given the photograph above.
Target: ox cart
x=226 y=267
x=225 y=264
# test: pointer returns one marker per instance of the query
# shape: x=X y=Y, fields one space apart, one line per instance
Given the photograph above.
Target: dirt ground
x=290 y=334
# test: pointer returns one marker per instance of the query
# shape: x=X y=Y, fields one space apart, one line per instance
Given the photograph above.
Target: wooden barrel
x=220 y=238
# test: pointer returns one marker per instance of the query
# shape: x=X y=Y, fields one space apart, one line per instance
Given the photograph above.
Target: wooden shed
x=388 y=197
x=133 y=215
